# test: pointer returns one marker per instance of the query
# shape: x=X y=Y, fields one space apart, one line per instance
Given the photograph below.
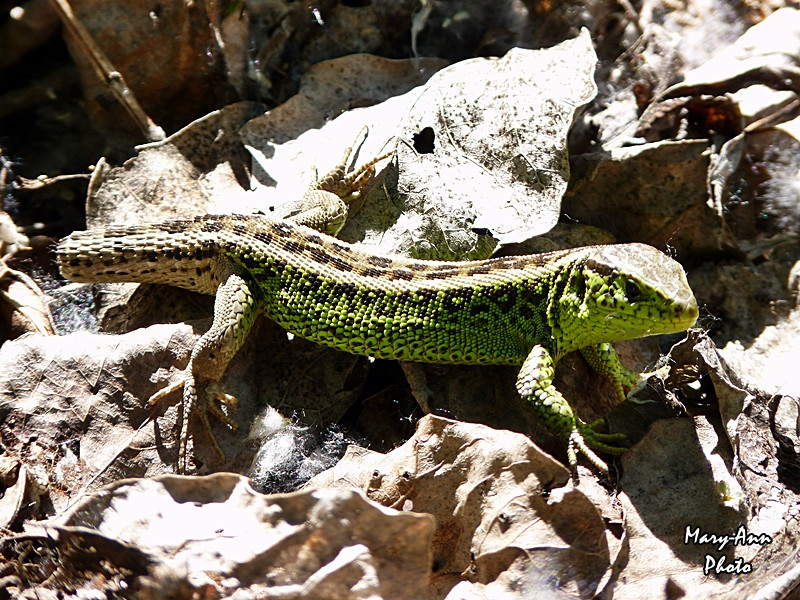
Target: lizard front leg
x=603 y=359
x=535 y=385
x=235 y=310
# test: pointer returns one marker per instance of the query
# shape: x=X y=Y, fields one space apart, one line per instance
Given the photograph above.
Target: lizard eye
x=632 y=291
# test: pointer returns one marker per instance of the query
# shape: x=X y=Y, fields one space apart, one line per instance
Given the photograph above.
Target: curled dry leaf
x=499 y=509
x=719 y=477
x=471 y=159
x=752 y=79
x=178 y=536
x=23 y=305
x=765 y=54
x=653 y=193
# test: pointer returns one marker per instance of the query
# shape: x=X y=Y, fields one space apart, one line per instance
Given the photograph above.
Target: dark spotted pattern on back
x=336 y=262
x=263 y=237
x=341 y=247
x=282 y=229
x=211 y=226
x=479 y=270
x=442 y=273
x=172 y=227
x=401 y=274
x=379 y=261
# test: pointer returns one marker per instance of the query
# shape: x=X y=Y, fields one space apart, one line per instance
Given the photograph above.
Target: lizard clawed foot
x=205 y=404
x=214 y=392
x=585 y=438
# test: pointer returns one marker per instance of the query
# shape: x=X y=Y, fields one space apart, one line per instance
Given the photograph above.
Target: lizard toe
x=165 y=393
x=214 y=393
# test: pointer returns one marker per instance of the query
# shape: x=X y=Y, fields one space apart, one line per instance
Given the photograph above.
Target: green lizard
x=522 y=310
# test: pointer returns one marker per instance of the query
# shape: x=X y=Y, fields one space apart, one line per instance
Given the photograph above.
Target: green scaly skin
x=526 y=310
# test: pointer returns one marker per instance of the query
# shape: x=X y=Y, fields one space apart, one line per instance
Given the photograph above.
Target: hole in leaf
x=423 y=141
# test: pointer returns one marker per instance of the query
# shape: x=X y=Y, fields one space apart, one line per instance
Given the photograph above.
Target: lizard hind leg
x=327 y=203
x=235 y=310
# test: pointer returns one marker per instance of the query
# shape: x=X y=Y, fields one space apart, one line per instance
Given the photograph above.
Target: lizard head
x=622 y=292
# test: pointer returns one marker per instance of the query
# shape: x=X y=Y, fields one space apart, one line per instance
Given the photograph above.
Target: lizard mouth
x=681 y=316
x=686 y=313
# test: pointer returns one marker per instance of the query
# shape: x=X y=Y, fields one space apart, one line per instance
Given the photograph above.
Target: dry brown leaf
x=77 y=404
x=182 y=176
x=182 y=536
x=471 y=159
x=23 y=305
x=163 y=54
x=769 y=363
x=504 y=523
x=765 y=54
x=653 y=193
x=716 y=477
